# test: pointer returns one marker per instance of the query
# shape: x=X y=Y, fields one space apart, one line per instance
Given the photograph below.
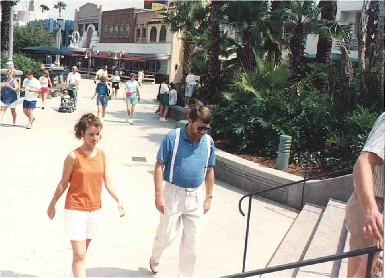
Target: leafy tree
x=44 y=8
x=31 y=35
x=23 y=63
x=190 y=18
x=60 y=5
x=5 y=15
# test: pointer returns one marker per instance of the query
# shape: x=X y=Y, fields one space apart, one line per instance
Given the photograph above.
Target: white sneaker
x=164 y=120
x=160 y=119
x=132 y=121
x=154 y=266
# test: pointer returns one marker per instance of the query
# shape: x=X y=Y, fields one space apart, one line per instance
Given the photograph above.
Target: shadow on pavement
x=118 y=272
x=8 y=273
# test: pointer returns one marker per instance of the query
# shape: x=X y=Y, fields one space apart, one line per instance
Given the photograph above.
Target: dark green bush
x=23 y=63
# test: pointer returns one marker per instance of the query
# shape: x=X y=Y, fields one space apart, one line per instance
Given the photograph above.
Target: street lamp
x=59 y=23
x=9 y=64
x=89 y=62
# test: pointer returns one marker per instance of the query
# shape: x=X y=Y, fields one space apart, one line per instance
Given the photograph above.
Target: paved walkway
x=31 y=163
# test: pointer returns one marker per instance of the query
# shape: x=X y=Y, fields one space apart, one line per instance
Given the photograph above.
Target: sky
x=72 y=5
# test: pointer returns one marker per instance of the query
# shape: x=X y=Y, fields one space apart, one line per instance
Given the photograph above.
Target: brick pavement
x=31 y=163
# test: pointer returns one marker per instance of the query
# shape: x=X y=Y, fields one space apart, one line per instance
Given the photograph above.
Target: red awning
x=133 y=59
x=77 y=55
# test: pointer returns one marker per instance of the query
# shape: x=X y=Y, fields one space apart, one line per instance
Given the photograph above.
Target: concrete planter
x=253 y=177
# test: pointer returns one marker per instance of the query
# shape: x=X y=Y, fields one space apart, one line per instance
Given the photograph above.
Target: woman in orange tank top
x=85 y=169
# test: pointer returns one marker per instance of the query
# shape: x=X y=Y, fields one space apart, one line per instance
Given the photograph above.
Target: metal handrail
x=359 y=252
x=250 y=195
x=289 y=184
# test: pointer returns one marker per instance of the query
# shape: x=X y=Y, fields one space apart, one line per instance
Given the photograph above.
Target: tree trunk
x=324 y=45
x=297 y=47
x=188 y=50
x=5 y=14
x=247 y=55
x=362 y=32
x=213 y=63
x=272 y=48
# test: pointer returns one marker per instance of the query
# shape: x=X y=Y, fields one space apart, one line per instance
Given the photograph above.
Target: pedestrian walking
x=101 y=72
x=45 y=83
x=164 y=100
x=115 y=84
x=9 y=94
x=101 y=92
x=31 y=87
x=364 y=211
x=185 y=160
x=132 y=97
x=85 y=170
x=140 y=77
x=190 y=83
x=72 y=83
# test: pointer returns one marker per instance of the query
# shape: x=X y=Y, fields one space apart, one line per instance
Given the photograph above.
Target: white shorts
x=12 y=105
x=81 y=225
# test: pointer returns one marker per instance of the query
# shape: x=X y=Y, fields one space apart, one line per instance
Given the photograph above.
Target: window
x=128 y=30
x=121 y=31
x=116 y=33
x=80 y=29
x=105 y=31
x=111 y=31
x=137 y=34
x=153 y=34
x=96 y=26
x=144 y=33
x=162 y=34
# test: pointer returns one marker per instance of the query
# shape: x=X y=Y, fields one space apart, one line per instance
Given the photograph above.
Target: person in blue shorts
x=31 y=87
x=102 y=97
x=132 y=96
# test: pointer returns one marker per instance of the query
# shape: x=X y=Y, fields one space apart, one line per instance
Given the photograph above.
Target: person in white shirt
x=115 y=84
x=190 y=82
x=173 y=95
x=101 y=72
x=140 y=77
x=132 y=97
x=164 y=100
x=45 y=82
x=73 y=80
x=32 y=87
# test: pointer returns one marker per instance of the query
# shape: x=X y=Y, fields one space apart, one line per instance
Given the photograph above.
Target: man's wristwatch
x=209 y=196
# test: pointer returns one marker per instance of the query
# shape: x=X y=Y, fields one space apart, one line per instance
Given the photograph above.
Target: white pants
x=182 y=206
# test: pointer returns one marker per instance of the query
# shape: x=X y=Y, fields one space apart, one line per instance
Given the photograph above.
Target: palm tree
x=324 y=45
x=213 y=63
x=60 y=5
x=301 y=16
x=362 y=33
x=44 y=8
x=190 y=19
x=5 y=15
x=250 y=19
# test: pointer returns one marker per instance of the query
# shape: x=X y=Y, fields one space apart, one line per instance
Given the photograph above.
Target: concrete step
x=343 y=273
x=329 y=239
x=296 y=241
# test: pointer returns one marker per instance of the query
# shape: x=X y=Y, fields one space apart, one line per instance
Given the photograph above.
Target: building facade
x=132 y=39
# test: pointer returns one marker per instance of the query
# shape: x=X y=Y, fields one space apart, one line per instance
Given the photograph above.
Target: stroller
x=67 y=104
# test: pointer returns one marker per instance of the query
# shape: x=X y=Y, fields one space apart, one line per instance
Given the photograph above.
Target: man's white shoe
x=132 y=121
x=154 y=266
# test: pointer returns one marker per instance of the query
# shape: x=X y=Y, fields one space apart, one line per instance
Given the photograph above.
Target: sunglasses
x=203 y=128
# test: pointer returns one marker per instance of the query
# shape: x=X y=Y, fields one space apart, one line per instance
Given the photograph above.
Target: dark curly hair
x=85 y=122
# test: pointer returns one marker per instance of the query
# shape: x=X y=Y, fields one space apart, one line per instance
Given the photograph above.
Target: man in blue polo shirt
x=185 y=159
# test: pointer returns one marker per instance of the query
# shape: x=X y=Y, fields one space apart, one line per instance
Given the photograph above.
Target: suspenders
x=208 y=141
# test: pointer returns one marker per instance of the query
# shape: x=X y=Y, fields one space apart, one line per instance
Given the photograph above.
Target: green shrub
x=23 y=63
